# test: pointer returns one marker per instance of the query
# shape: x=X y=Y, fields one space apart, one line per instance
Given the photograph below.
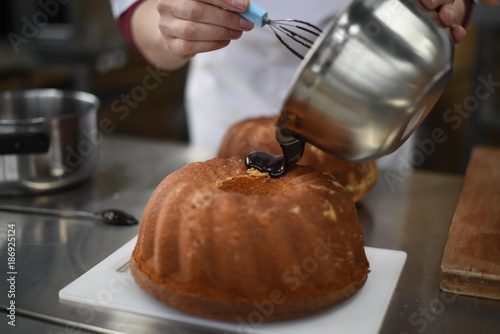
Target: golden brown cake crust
x=258 y=134
x=219 y=240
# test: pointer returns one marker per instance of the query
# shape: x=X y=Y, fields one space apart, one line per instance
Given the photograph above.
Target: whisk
x=302 y=34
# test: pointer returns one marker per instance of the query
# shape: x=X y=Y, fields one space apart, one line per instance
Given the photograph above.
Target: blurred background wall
x=75 y=44
x=80 y=47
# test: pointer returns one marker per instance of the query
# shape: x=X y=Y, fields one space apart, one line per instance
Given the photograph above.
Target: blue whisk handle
x=256 y=14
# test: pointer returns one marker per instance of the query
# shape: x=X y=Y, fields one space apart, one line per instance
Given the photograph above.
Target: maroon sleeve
x=469 y=4
x=124 y=22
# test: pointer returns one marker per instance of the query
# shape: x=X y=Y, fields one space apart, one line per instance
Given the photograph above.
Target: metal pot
x=48 y=140
x=370 y=79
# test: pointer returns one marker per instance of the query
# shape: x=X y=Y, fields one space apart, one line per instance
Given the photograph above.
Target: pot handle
x=26 y=143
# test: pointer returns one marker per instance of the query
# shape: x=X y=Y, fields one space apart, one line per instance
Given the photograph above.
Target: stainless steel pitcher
x=370 y=79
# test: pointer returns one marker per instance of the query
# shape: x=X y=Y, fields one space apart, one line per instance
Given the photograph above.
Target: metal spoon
x=107 y=216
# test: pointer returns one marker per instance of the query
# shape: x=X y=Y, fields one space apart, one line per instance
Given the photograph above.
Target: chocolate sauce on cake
x=278 y=165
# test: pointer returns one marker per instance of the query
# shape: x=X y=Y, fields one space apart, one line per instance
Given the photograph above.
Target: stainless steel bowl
x=48 y=140
x=370 y=79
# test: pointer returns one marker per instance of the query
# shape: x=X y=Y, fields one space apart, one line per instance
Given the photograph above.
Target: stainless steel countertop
x=405 y=211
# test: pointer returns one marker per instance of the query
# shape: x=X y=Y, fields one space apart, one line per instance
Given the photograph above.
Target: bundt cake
x=223 y=241
x=258 y=134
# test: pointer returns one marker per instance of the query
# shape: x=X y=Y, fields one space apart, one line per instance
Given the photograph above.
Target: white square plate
x=110 y=285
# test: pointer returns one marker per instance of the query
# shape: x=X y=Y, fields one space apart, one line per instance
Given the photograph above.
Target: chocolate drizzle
x=278 y=165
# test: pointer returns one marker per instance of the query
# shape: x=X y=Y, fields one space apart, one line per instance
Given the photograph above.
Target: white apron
x=248 y=78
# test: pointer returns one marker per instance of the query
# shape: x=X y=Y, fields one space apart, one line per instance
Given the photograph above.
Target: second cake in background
x=259 y=134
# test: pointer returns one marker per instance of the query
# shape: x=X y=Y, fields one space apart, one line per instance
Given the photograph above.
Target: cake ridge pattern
x=217 y=246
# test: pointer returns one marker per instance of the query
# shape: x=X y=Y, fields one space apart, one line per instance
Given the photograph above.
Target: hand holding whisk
x=295 y=35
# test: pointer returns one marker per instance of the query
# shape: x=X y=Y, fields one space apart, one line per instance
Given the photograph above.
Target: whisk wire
x=295 y=36
x=286 y=44
x=286 y=27
x=301 y=33
x=305 y=26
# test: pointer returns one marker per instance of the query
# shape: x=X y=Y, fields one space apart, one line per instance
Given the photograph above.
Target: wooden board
x=471 y=261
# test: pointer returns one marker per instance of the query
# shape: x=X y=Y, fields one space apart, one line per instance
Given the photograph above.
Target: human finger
x=434 y=4
x=186 y=49
x=449 y=15
x=201 y=32
x=185 y=38
x=189 y=27
x=458 y=33
x=203 y=12
x=233 y=5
